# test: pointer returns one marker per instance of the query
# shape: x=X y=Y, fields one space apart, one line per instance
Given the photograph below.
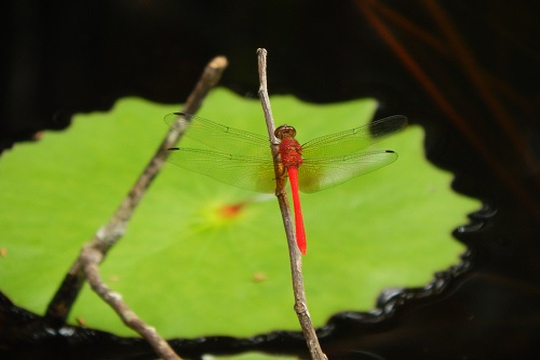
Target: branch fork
x=86 y=267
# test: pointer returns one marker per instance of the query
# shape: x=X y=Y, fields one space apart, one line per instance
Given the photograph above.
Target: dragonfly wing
x=323 y=173
x=353 y=140
x=219 y=137
x=245 y=172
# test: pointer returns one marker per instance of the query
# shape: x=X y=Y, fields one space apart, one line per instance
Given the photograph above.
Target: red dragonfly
x=243 y=159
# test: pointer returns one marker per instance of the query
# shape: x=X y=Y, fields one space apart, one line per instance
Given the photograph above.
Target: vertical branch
x=265 y=99
x=300 y=302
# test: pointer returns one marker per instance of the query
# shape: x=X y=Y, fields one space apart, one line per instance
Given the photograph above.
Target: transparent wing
x=323 y=173
x=246 y=172
x=247 y=163
x=219 y=137
x=354 y=140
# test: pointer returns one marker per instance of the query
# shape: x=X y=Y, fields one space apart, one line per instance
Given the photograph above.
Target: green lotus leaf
x=189 y=269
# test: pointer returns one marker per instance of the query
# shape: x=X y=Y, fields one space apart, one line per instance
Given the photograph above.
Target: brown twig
x=91 y=259
x=477 y=76
x=416 y=69
x=106 y=237
x=300 y=302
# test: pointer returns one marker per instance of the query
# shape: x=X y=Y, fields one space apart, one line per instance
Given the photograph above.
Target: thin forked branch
x=91 y=260
x=94 y=252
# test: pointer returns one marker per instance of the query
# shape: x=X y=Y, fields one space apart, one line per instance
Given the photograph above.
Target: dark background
x=467 y=71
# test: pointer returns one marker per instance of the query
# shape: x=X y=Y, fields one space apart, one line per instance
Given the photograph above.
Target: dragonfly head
x=285 y=131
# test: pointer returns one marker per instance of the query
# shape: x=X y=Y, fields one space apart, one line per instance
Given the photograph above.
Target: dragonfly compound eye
x=285 y=130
